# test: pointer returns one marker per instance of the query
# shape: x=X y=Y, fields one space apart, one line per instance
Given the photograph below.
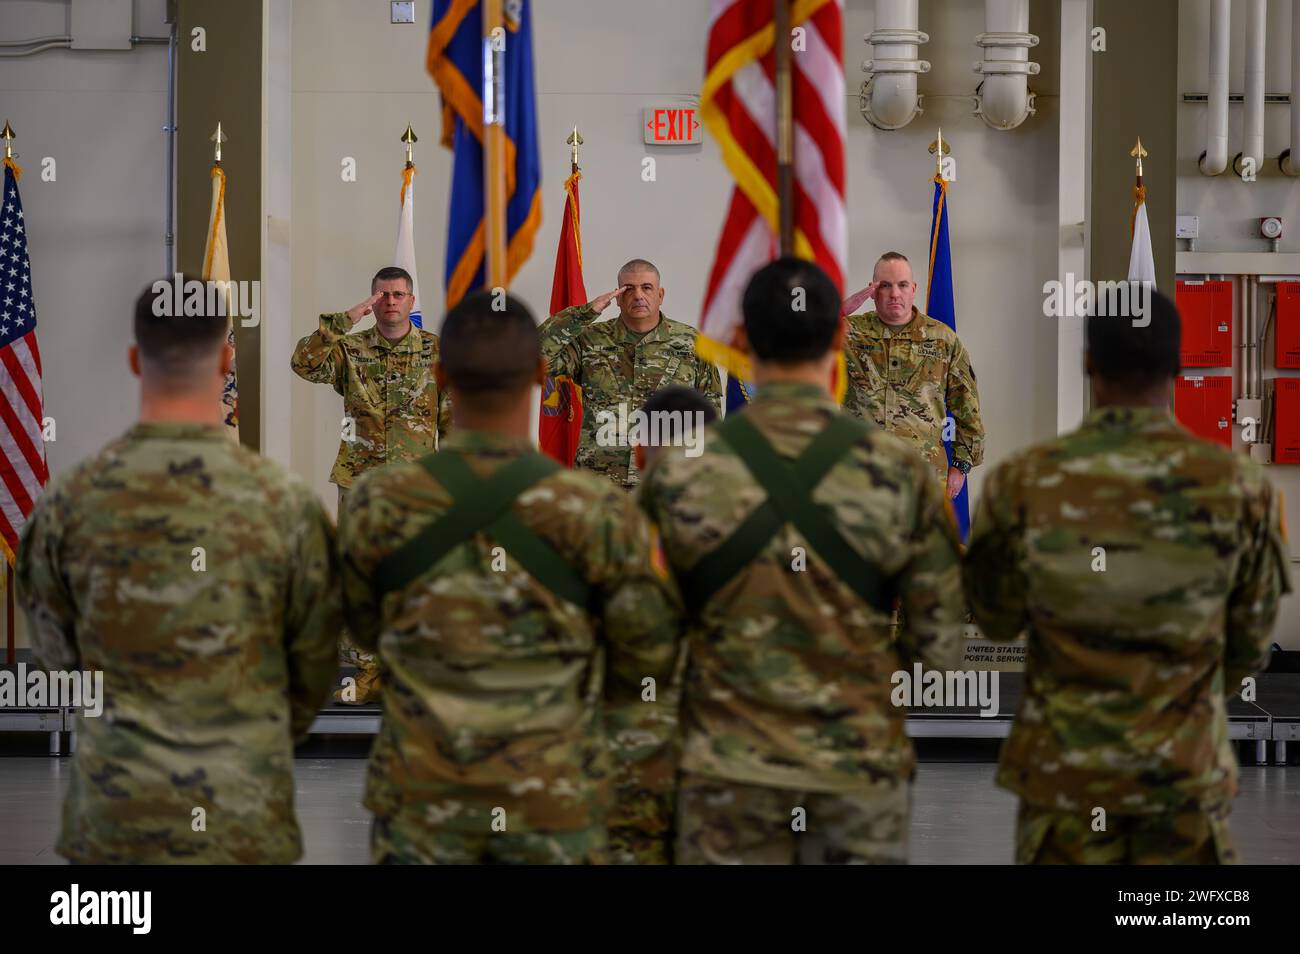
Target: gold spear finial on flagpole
x=575 y=140
x=940 y=149
x=218 y=137
x=7 y=134
x=410 y=138
x=1137 y=152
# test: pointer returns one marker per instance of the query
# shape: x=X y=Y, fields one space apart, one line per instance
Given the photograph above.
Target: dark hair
x=892 y=257
x=680 y=400
x=1136 y=356
x=490 y=344
x=783 y=326
x=177 y=326
x=392 y=273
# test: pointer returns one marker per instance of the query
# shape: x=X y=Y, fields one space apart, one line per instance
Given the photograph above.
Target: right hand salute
x=357 y=312
x=601 y=302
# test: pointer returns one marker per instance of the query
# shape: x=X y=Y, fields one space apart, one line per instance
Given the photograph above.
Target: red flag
x=560 y=423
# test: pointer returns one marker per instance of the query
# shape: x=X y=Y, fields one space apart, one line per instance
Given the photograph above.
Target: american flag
x=739 y=106
x=22 y=449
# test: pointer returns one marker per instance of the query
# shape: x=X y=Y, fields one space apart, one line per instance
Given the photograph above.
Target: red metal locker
x=1287 y=329
x=1203 y=405
x=1286 y=418
x=1206 y=310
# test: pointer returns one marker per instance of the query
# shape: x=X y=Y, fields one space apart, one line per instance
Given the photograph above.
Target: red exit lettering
x=673 y=125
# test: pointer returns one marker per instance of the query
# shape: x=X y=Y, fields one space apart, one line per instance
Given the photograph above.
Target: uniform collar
x=914 y=330
x=658 y=333
x=1138 y=419
x=795 y=392
x=490 y=441
x=175 y=431
x=408 y=342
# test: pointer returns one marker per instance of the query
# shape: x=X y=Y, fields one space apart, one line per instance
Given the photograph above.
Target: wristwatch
x=962 y=465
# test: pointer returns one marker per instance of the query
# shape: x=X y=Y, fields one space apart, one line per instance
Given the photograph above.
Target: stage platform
x=1265 y=726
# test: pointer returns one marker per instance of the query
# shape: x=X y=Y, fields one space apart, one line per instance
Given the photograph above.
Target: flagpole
x=9 y=609
x=494 y=142
x=410 y=138
x=575 y=140
x=1139 y=190
x=784 y=127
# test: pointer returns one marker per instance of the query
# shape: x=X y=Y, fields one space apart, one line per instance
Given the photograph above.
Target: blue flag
x=456 y=62
x=738 y=393
x=940 y=306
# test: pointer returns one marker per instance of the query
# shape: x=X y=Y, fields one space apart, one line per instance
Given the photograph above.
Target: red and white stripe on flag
x=23 y=471
x=738 y=106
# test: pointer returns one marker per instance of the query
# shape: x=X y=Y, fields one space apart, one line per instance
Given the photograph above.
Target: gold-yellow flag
x=216 y=268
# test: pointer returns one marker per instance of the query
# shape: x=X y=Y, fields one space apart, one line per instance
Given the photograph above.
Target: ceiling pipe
x=1252 y=132
x=1215 y=157
x=889 y=98
x=1003 y=98
x=1289 y=161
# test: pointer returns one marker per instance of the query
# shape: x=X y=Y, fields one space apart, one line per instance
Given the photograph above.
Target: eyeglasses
x=396 y=295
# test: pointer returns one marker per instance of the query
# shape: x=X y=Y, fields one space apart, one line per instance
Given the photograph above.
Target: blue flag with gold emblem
x=455 y=61
x=940 y=306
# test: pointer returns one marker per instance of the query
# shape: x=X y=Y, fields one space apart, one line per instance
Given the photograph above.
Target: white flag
x=1141 y=263
x=404 y=255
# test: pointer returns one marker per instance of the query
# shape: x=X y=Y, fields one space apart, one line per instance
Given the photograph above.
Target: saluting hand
x=357 y=312
x=601 y=302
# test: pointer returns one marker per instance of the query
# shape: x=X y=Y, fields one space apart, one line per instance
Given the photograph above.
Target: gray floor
x=958 y=816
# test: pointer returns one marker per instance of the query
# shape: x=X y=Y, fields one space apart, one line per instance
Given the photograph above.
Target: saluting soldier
x=392 y=405
x=620 y=363
x=909 y=374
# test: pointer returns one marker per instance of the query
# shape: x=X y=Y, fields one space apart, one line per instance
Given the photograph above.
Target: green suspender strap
x=483 y=506
x=789 y=500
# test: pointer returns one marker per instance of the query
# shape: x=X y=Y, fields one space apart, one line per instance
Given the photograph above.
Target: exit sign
x=671 y=125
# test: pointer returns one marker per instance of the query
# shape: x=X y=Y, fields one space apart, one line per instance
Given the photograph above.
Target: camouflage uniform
x=787 y=703
x=906 y=379
x=388 y=392
x=211 y=671
x=393 y=402
x=1129 y=660
x=493 y=699
x=617 y=366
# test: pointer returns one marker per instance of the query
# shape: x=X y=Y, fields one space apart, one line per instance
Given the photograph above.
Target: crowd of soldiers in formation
x=654 y=657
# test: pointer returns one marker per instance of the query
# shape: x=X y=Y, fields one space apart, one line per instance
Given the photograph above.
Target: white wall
x=95 y=233
x=1230 y=209
x=350 y=101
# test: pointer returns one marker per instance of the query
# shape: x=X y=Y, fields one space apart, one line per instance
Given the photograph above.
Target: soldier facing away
x=793 y=536
x=647 y=738
x=908 y=372
x=620 y=363
x=509 y=600
x=393 y=408
x=199 y=578
x=1146 y=565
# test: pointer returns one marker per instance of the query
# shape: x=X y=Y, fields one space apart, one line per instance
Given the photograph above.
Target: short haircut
x=391 y=273
x=1137 y=357
x=681 y=401
x=176 y=331
x=792 y=311
x=638 y=265
x=490 y=351
x=892 y=257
